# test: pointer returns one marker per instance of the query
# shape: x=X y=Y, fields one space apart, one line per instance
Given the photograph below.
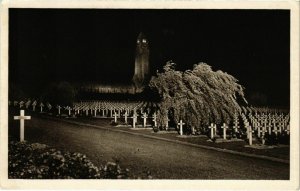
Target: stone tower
x=141 y=68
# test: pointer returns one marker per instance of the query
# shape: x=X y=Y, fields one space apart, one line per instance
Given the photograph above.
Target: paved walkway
x=165 y=160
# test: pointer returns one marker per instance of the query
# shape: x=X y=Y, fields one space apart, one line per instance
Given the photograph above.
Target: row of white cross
x=213 y=131
x=22 y=119
x=247 y=110
x=115 y=109
x=212 y=127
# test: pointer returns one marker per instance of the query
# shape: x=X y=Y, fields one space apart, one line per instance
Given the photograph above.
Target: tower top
x=142 y=38
x=141 y=69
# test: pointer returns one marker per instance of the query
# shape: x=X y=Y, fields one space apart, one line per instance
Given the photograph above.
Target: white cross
x=236 y=127
x=224 y=127
x=275 y=130
x=49 y=106
x=134 y=120
x=211 y=130
x=15 y=103
x=280 y=126
x=21 y=104
x=28 y=104
x=288 y=129
x=263 y=135
x=58 y=107
x=258 y=131
x=180 y=125
x=167 y=123
x=270 y=128
x=33 y=105
x=145 y=119
x=250 y=134
x=69 y=109
x=154 y=120
x=22 y=117
x=41 y=106
x=115 y=115
x=95 y=111
x=126 y=115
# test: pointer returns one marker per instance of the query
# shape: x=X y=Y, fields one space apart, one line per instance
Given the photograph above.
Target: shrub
x=38 y=161
x=281 y=138
x=62 y=93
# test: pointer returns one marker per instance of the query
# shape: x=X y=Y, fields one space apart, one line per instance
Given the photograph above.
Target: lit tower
x=141 y=68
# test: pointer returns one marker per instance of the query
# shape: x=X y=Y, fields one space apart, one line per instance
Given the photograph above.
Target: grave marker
x=134 y=118
x=95 y=111
x=269 y=128
x=58 y=107
x=21 y=104
x=69 y=110
x=22 y=117
x=263 y=135
x=211 y=130
x=224 y=127
x=250 y=134
x=49 y=106
x=33 y=105
x=288 y=129
x=180 y=126
x=167 y=123
x=16 y=103
x=280 y=126
x=154 y=120
x=275 y=130
x=258 y=131
x=145 y=119
x=126 y=115
x=41 y=107
x=115 y=116
x=27 y=104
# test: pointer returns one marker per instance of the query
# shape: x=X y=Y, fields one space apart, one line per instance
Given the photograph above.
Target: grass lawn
x=281 y=152
x=161 y=159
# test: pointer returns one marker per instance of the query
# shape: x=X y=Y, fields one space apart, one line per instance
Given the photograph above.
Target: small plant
x=155 y=129
x=113 y=123
x=284 y=138
x=271 y=139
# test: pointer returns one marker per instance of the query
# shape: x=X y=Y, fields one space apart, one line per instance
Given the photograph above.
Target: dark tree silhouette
x=62 y=93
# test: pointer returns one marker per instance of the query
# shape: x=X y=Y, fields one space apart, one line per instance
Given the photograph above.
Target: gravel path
x=163 y=159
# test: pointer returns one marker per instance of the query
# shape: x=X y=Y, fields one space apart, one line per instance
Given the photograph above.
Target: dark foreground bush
x=38 y=161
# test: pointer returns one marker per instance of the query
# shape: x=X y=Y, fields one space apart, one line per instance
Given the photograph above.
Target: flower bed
x=39 y=161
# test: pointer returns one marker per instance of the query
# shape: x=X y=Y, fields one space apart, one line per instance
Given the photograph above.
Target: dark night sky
x=79 y=45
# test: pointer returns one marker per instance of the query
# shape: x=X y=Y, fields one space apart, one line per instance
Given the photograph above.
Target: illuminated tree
x=199 y=96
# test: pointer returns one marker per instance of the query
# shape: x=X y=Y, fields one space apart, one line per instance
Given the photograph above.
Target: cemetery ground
x=142 y=155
